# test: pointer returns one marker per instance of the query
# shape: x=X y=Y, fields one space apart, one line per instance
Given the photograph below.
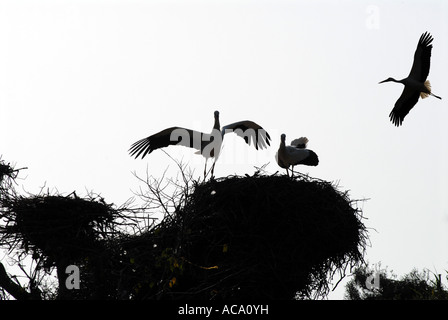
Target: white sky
x=80 y=81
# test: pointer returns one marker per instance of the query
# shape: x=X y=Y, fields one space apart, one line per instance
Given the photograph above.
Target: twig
x=12 y=288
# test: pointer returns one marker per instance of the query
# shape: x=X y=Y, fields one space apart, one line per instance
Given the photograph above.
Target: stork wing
x=404 y=104
x=302 y=156
x=422 y=58
x=249 y=131
x=171 y=136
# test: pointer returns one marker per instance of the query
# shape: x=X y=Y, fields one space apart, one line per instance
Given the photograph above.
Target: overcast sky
x=80 y=81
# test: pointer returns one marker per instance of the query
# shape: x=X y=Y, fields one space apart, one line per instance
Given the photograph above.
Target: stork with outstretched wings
x=207 y=144
x=415 y=85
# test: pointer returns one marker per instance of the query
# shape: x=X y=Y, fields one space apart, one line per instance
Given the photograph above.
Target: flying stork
x=415 y=84
x=207 y=144
x=295 y=154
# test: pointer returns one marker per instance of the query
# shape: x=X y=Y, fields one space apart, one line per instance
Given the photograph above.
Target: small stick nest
x=7 y=176
x=5 y=170
x=57 y=226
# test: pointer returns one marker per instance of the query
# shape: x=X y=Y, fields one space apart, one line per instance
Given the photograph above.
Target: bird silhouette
x=295 y=154
x=415 y=85
x=207 y=144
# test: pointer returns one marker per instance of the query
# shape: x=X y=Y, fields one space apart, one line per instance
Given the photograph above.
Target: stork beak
x=383 y=81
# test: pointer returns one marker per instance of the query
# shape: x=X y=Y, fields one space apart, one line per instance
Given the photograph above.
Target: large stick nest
x=247 y=237
x=282 y=235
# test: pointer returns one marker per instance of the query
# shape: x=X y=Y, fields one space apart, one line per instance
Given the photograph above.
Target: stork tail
x=424 y=95
x=300 y=142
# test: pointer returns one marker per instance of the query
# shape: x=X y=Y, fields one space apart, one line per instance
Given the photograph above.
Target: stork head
x=283 y=137
x=388 y=80
x=216 y=114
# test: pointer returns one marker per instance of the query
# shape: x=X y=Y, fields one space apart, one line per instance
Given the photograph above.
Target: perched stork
x=415 y=85
x=295 y=154
x=207 y=144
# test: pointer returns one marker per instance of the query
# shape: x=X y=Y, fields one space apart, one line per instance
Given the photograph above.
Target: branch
x=13 y=288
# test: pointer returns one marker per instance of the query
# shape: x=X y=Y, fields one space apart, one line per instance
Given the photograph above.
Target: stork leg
x=205 y=168
x=435 y=95
x=213 y=168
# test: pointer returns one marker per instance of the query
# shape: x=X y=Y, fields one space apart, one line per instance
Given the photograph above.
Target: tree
x=416 y=285
x=236 y=237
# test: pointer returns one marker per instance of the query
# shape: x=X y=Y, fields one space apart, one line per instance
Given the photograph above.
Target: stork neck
x=395 y=80
x=282 y=145
x=217 y=125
